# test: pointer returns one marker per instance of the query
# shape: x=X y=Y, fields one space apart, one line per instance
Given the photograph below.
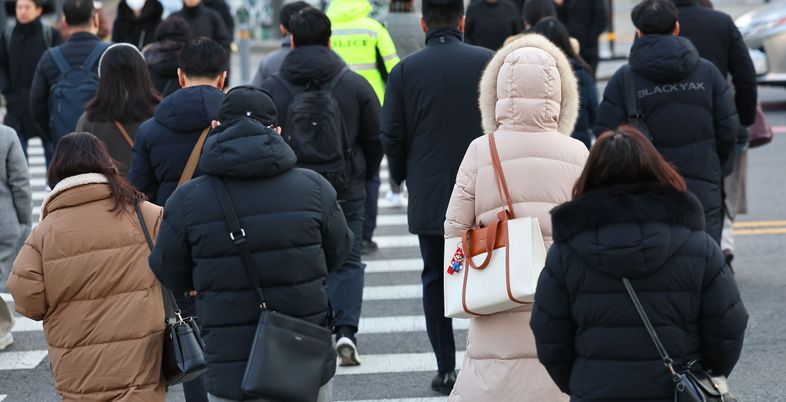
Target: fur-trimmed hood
x=628 y=229
x=529 y=85
x=69 y=183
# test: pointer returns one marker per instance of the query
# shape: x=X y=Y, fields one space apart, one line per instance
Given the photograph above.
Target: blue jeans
x=345 y=285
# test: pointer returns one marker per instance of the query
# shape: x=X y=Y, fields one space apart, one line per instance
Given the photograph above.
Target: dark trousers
x=372 y=207
x=49 y=148
x=439 y=328
x=345 y=285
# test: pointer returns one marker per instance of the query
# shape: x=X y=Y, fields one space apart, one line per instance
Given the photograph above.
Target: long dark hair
x=625 y=156
x=125 y=93
x=536 y=10
x=556 y=32
x=80 y=153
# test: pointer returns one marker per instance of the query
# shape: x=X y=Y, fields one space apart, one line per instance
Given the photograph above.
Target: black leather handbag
x=184 y=351
x=288 y=355
x=691 y=382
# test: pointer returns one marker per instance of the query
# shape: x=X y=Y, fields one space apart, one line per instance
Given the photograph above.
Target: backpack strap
x=60 y=61
x=123 y=131
x=629 y=94
x=332 y=84
x=94 y=56
x=293 y=89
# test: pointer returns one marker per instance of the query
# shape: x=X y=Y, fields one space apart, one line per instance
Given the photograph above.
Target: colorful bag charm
x=457 y=261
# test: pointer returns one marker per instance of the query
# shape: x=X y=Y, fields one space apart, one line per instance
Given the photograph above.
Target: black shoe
x=369 y=247
x=728 y=257
x=444 y=382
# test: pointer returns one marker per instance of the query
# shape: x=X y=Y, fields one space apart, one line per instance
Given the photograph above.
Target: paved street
x=397 y=360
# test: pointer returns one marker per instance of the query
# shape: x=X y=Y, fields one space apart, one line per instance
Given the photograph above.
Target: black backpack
x=316 y=131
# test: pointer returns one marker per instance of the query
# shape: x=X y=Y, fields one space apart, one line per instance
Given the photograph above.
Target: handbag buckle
x=238 y=238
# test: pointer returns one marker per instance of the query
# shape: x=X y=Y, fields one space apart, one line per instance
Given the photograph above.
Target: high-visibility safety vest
x=358 y=39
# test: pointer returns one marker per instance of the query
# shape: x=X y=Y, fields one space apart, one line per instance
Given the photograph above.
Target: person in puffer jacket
x=529 y=100
x=632 y=217
x=83 y=271
x=295 y=230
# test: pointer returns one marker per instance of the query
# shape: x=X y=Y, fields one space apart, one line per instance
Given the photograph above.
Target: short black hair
x=174 y=28
x=78 y=12
x=290 y=10
x=37 y=3
x=203 y=57
x=310 y=27
x=658 y=17
x=536 y=10
x=442 y=13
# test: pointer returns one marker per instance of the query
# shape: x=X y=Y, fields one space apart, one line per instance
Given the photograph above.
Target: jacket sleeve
x=723 y=315
x=19 y=180
x=592 y=101
x=600 y=18
x=461 y=209
x=259 y=76
x=336 y=237
x=4 y=64
x=611 y=111
x=743 y=76
x=141 y=174
x=368 y=133
x=171 y=260
x=386 y=48
x=26 y=282
x=39 y=94
x=552 y=323
x=394 y=127
x=726 y=122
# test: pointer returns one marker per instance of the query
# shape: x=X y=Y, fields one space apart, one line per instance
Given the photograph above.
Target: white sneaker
x=6 y=341
x=394 y=199
x=347 y=352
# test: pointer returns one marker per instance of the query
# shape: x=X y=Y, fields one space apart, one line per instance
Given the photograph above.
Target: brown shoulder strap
x=123 y=131
x=193 y=160
x=502 y=185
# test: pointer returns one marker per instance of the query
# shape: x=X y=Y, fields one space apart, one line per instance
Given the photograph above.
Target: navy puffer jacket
x=295 y=230
x=587 y=331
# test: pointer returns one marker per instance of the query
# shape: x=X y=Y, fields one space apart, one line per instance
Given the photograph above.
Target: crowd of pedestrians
x=143 y=136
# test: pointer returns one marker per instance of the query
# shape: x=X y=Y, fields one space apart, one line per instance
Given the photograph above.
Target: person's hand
x=558 y=3
x=215 y=123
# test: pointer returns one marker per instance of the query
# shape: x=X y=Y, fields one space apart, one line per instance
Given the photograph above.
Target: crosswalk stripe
x=397 y=265
x=391 y=220
x=414 y=323
x=24 y=324
x=435 y=399
x=26 y=360
x=2 y=397
x=397 y=241
x=397 y=292
x=395 y=363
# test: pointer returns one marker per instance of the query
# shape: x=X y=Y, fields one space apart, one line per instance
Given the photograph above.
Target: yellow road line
x=747 y=232
x=758 y=224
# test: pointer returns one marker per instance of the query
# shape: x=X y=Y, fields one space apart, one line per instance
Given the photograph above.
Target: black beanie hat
x=248 y=101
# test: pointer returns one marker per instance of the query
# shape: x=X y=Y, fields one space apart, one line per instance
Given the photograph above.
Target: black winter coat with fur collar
x=588 y=334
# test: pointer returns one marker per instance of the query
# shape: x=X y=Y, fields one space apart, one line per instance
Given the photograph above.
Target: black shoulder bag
x=184 y=351
x=634 y=116
x=691 y=383
x=288 y=355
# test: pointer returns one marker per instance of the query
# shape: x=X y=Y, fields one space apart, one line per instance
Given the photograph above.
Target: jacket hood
x=189 y=109
x=245 y=149
x=163 y=56
x=348 y=10
x=628 y=230
x=311 y=63
x=95 y=188
x=529 y=85
x=663 y=58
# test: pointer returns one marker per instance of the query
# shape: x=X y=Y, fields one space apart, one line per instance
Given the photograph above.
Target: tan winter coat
x=84 y=272
x=529 y=99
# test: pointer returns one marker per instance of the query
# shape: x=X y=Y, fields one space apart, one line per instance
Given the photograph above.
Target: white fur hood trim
x=569 y=103
x=69 y=183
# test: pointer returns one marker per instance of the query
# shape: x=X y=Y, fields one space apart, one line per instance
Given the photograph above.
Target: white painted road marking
x=395 y=363
x=397 y=265
x=27 y=360
x=392 y=292
x=413 y=323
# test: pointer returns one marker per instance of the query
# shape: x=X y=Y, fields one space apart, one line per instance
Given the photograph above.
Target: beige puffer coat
x=84 y=272
x=529 y=99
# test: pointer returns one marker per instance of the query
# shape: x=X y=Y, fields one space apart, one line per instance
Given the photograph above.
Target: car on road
x=764 y=31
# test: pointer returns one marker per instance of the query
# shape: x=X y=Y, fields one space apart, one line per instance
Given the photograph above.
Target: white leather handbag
x=495 y=268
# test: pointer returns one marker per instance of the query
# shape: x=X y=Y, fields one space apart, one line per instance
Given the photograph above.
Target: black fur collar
x=648 y=202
